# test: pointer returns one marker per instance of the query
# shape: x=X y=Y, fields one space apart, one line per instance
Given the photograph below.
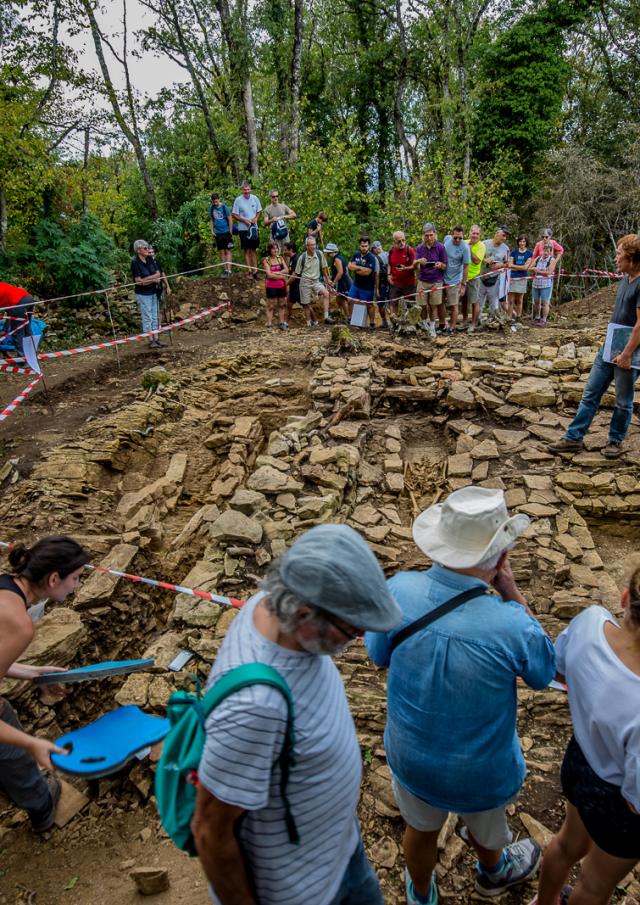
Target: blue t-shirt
x=520 y=258
x=369 y=260
x=451 y=735
x=219 y=216
x=458 y=255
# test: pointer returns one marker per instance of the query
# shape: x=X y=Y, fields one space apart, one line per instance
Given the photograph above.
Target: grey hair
x=140 y=243
x=428 y=228
x=280 y=601
x=309 y=239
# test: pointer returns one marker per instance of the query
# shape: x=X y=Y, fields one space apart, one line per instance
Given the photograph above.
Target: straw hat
x=473 y=524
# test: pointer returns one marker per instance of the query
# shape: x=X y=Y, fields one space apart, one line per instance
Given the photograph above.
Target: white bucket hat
x=473 y=524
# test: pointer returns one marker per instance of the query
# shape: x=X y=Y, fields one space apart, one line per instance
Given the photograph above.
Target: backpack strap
x=261 y=674
x=439 y=611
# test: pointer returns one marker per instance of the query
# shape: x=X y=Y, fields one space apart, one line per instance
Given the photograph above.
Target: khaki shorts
x=452 y=295
x=489 y=828
x=309 y=291
x=429 y=297
x=473 y=291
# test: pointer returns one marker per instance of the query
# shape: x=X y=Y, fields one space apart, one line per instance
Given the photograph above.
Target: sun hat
x=332 y=567
x=473 y=524
x=331 y=248
x=376 y=244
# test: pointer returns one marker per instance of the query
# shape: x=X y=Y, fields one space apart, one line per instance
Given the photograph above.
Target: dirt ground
x=88 y=862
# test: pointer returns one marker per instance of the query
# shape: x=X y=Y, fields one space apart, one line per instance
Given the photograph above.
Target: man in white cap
x=325 y=590
x=451 y=738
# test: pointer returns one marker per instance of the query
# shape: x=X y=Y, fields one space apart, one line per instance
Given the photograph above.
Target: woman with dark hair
x=276 y=270
x=51 y=568
x=601 y=769
x=520 y=263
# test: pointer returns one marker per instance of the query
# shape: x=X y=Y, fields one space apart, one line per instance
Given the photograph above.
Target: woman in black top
x=51 y=568
x=147 y=277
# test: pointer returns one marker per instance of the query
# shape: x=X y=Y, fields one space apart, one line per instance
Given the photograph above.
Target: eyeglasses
x=274 y=196
x=343 y=627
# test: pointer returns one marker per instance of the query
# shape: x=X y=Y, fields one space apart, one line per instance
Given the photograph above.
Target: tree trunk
x=4 y=217
x=85 y=167
x=250 y=118
x=236 y=41
x=296 y=70
x=130 y=131
x=410 y=153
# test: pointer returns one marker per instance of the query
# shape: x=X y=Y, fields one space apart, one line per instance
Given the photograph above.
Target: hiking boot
x=328 y=320
x=522 y=862
x=411 y=893
x=565 y=445
x=55 y=790
x=612 y=451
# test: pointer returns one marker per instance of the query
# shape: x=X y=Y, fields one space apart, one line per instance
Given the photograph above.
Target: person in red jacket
x=402 y=276
x=16 y=302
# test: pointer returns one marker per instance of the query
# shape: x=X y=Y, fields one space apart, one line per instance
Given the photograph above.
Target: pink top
x=271 y=282
x=539 y=249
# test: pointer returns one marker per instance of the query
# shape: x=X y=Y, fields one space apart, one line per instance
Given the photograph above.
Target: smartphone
x=180 y=660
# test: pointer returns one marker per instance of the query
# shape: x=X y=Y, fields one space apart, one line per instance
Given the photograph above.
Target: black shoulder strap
x=439 y=611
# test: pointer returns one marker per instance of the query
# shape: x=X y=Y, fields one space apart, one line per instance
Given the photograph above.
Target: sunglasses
x=343 y=627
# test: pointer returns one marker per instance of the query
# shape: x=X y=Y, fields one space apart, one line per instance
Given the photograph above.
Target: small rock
x=150 y=880
x=235 y=525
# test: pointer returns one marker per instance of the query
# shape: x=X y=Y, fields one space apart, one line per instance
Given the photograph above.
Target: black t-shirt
x=344 y=284
x=294 y=287
x=313 y=224
x=368 y=260
x=627 y=302
x=144 y=269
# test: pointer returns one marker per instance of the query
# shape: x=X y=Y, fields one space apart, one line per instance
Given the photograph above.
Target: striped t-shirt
x=245 y=735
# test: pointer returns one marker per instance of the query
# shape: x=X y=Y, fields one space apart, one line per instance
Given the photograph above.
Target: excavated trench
x=206 y=479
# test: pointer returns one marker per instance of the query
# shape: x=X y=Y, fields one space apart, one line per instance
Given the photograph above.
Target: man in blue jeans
x=451 y=738
x=317 y=598
x=626 y=313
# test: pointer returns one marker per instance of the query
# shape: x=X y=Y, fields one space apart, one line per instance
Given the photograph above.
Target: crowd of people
x=454 y=639
x=452 y=281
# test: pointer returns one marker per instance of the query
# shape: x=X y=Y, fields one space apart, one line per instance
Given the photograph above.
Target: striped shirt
x=245 y=735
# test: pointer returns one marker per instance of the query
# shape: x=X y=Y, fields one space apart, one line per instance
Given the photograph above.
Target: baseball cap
x=505 y=230
x=376 y=244
x=331 y=248
x=332 y=567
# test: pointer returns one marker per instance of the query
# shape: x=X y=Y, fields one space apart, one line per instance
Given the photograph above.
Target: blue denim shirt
x=451 y=734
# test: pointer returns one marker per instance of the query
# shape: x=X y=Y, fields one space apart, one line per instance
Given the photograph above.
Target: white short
x=309 y=291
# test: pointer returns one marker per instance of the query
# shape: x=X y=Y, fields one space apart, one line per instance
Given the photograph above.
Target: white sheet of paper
x=30 y=345
x=358 y=316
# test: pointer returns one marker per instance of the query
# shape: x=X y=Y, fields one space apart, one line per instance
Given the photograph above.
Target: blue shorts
x=360 y=295
x=542 y=295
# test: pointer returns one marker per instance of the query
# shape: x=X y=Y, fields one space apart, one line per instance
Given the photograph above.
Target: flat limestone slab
x=71 y=803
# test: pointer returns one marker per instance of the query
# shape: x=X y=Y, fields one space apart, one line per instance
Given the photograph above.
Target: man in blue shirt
x=451 y=738
x=455 y=276
x=363 y=269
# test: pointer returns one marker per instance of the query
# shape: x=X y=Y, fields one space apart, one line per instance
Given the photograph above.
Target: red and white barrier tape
x=20 y=398
x=10 y=370
x=62 y=353
x=155 y=583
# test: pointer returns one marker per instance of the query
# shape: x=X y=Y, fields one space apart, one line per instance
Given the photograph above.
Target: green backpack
x=177 y=773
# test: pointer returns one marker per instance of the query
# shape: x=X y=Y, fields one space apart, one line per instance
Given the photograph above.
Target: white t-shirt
x=604 y=697
x=245 y=735
x=246 y=207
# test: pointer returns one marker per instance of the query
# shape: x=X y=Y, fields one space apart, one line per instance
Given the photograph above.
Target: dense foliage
x=383 y=114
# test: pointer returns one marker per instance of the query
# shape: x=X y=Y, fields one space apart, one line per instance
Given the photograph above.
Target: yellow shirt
x=479 y=251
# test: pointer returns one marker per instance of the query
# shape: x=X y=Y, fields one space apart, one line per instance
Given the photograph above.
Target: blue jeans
x=149 y=312
x=20 y=778
x=359 y=884
x=601 y=376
